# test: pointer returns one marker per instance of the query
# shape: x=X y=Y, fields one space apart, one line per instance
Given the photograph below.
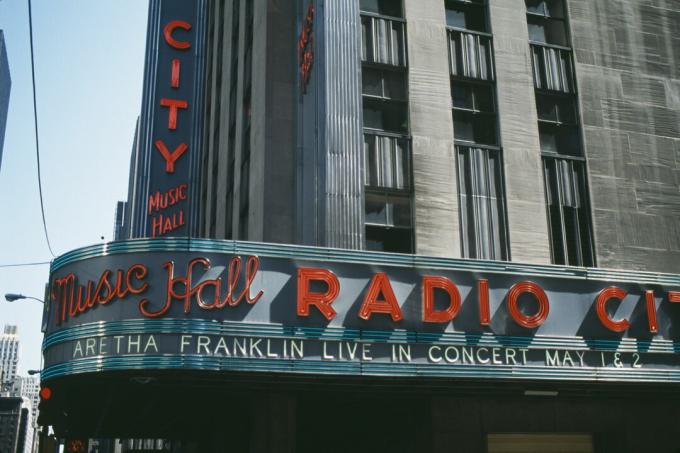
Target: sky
x=89 y=62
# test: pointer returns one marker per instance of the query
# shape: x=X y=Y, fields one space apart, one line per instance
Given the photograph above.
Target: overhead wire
x=37 y=141
x=37 y=263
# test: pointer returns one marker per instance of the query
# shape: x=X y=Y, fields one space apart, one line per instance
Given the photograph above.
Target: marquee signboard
x=223 y=305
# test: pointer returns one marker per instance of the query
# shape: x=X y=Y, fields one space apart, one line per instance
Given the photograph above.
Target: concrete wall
x=524 y=185
x=627 y=56
x=437 y=229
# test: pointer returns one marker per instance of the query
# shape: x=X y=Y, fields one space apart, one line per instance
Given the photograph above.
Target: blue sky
x=89 y=58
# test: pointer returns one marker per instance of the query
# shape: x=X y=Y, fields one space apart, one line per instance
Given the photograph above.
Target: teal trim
x=192 y=362
x=207 y=327
x=298 y=252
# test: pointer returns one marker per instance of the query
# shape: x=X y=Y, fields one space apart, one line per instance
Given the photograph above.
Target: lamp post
x=11 y=297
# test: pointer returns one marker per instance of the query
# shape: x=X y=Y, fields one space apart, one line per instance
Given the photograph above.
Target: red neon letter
x=170 y=157
x=170 y=28
x=530 y=322
x=484 y=312
x=610 y=293
x=673 y=296
x=429 y=313
x=322 y=301
x=651 y=312
x=174 y=104
x=174 y=77
x=380 y=284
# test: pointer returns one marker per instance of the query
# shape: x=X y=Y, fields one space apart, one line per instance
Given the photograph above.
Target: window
x=547 y=30
x=385 y=115
x=559 y=139
x=386 y=162
x=546 y=8
x=475 y=97
x=474 y=113
x=383 y=83
x=552 y=69
x=382 y=41
x=467 y=15
x=388 y=222
x=555 y=109
x=470 y=55
x=482 y=203
x=475 y=128
x=382 y=7
x=568 y=211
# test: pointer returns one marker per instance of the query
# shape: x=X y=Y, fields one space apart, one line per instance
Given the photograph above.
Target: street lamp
x=10 y=297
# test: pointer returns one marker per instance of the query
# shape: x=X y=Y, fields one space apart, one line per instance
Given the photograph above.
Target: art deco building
x=499 y=136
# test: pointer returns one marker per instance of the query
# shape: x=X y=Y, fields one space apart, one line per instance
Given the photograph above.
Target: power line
x=37 y=263
x=37 y=142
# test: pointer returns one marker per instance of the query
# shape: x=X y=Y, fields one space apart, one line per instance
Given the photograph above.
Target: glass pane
x=384 y=7
x=394 y=240
x=555 y=8
x=401 y=211
x=536 y=6
x=395 y=84
x=536 y=29
x=548 y=138
x=485 y=129
x=572 y=236
x=463 y=127
x=388 y=116
x=366 y=39
x=371 y=82
x=555 y=32
x=376 y=209
x=462 y=95
x=547 y=108
x=484 y=98
x=455 y=17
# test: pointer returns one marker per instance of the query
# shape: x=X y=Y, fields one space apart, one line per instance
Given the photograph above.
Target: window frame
x=503 y=227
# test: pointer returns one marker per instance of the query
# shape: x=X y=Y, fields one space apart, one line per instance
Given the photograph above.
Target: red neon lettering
x=483 y=299
x=174 y=77
x=380 y=284
x=173 y=105
x=170 y=157
x=170 y=28
x=429 y=312
x=164 y=200
x=600 y=308
x=188 y=290
x=322 y=301
x=73 y=299
x=673 y=296
x=651 y=312
x=530 y=322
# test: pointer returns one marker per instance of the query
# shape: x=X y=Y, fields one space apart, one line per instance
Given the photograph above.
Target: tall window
x=483 y=224
x=558 y=126
x=387 y=155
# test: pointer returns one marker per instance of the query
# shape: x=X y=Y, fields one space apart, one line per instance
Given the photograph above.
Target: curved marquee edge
x=358 y=256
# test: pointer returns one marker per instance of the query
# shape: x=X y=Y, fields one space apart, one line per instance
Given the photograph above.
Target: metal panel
x=344 y=216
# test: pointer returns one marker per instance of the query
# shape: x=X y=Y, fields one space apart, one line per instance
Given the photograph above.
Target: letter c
x=610 y=293
x=170 y=28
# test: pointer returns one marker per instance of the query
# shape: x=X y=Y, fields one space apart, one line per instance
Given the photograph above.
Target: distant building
x=16 y=434
x=5 y=85
x=29 y=388
x=9 y=356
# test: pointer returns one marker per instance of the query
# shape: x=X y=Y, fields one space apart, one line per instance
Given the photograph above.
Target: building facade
x=5 y=85
x=9 y=356
x=516 y=159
